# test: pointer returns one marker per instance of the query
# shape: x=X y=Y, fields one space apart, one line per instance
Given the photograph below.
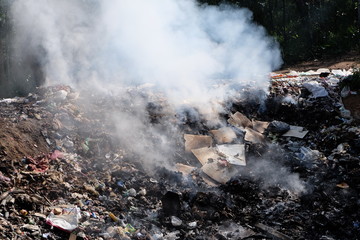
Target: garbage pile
x=286 y=168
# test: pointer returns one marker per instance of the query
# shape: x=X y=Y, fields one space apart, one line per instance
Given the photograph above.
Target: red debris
x=41 y=162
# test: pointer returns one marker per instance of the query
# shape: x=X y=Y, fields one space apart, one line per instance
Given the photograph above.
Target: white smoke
x=180 y=48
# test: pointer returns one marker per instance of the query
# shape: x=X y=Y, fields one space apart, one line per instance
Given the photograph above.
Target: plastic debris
x=175 y=221
x=316 y=89
x=68 y=220
x=295 y=131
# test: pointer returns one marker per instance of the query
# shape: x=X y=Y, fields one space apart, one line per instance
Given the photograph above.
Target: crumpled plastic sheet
x=316 y=89
x=67 y=221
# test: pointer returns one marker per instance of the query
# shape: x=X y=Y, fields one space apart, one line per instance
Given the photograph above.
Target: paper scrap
x=295 y=131
x=197 y=141
x=224 y=135
x=234 y=153
x=253 y=136
x=239 y=120
x=260 y=126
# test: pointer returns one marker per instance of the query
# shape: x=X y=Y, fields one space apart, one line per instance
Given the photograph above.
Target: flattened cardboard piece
x=204 y=154
x=184 y=169
x=217 y=172
x=253 y=136
x=260 y=126
x=209 y=158
x=197 y=141
x=239 y=120
x=295 y=131
x=224 y=135
x=208 y=180
x=234 y=153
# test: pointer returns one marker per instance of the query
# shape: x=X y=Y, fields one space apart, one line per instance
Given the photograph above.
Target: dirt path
x=349 y=60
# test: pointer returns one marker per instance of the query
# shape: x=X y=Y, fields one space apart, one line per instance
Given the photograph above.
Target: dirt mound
x=22 y=139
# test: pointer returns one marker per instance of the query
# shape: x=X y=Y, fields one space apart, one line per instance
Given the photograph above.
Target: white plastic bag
x=67 y=221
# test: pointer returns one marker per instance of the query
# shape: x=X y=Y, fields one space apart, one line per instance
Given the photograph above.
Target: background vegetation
x=305 y=29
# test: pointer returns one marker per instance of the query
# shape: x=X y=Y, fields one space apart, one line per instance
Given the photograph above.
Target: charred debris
x=284 y=168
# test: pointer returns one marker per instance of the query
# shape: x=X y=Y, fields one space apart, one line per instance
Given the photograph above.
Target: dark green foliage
x=306 y=29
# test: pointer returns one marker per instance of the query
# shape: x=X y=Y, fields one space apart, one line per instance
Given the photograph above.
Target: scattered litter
x=260 y=126
x=253 y=136
x=68 y=220
x=218 y=194
x=197 y=141
x=278 y=127
x=234 y=153
x=184 y=169
x=295 y=131
x=224 y=135
x=217 y=170
x=175 y=221
x=316 y=89
x=239 y=120
x=342 y=185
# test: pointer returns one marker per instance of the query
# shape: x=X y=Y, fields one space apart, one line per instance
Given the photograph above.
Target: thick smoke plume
x=181 y=48
x=189 y=53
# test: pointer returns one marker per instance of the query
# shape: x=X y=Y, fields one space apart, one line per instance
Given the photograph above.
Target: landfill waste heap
x=65 y=175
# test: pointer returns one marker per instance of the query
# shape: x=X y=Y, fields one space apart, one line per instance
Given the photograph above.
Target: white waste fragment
x=67 y=221
x=345 y=113
x=46 y=235
x=10 y=100
x=345 y=92
x=341 y=148
x=293 y=73
x=316 y=89
x=333 y=81
x=175 y=221
x=311 y=72
x=308 y=154
x=289 y=99
x=132 y=192
x=31 y=227
x=60 y=95
x=192 y=224
x=341 y=73
x=295 y=131
x=322 y=70
x=172 y=235
x=234 y=153
x=157 y=236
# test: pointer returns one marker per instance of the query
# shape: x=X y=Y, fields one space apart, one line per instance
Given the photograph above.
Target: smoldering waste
x=284 y=169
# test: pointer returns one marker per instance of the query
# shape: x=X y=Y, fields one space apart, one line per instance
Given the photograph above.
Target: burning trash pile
x=283 y=168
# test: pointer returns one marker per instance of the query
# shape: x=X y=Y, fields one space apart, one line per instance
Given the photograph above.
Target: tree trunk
x=358 y=7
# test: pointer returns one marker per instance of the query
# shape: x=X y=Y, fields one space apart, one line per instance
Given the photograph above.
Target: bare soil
x=352 y=103
x=21 y=139
x=346 y=61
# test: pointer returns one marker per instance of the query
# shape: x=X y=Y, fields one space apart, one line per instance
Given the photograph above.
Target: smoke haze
x=180 y=49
